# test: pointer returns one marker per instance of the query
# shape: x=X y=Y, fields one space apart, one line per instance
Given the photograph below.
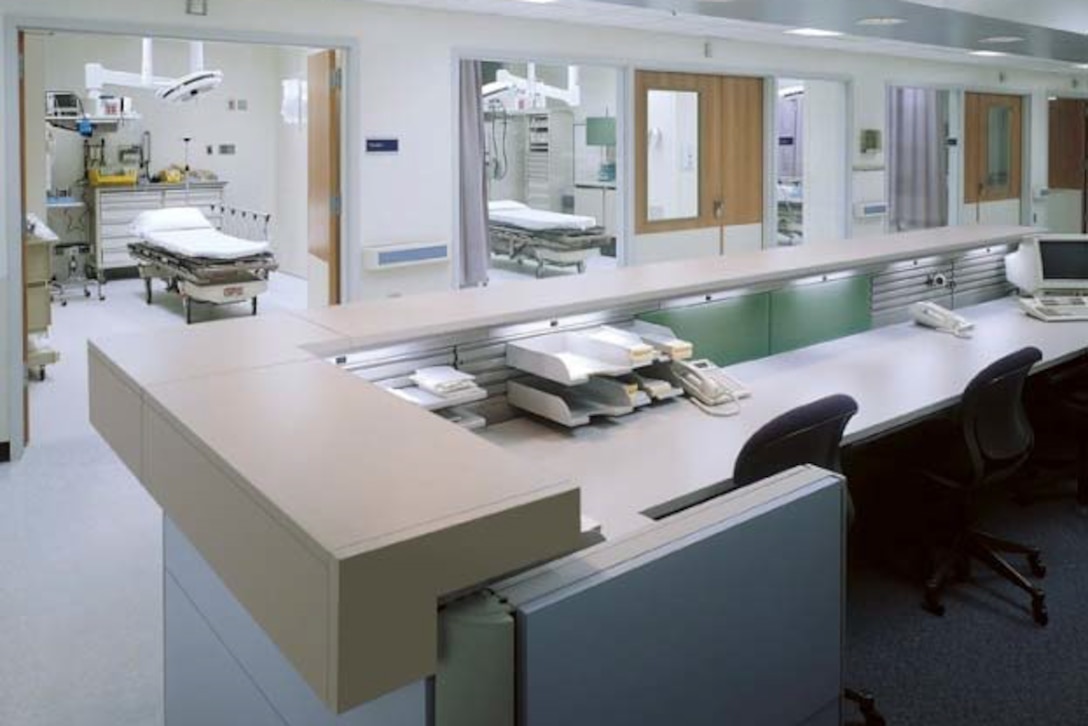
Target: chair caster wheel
x=1035 y=562
x=933 y=605
x=1039 y=612
x=64 y=303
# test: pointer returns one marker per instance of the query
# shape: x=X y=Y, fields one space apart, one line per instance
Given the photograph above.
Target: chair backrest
x=808 y=434
x=995 y=424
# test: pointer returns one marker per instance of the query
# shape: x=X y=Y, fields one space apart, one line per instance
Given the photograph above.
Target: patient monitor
x=1052 y=263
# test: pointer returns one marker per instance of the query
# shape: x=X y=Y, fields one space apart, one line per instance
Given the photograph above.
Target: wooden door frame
x=13 y=24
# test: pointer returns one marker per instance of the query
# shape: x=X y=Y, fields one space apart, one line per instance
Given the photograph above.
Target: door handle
x=719 y=209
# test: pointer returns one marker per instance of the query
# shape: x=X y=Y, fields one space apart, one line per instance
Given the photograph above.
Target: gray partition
x=727 y=613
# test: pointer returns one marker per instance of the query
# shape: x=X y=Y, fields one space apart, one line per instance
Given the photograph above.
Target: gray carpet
x=985 y=661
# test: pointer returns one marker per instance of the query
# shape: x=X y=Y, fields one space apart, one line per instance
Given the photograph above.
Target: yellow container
x=99 y=179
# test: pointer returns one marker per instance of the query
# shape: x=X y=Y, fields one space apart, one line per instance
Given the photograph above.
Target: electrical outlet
x=243 y=104
x=232 y=105
x=227 y=149
x=196 y=7
x=210 y=149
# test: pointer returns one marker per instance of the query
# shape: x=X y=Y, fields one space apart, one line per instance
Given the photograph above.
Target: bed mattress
x=208 y=244
x=515 y=214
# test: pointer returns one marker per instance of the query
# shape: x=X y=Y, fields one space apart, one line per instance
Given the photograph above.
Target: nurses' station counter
x=335 y=554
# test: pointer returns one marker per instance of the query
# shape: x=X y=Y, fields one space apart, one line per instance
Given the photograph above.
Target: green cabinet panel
x=807 y=314
x=726 y=332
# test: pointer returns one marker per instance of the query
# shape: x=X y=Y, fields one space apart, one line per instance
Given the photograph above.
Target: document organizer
x=570 y=358
x=568 y=406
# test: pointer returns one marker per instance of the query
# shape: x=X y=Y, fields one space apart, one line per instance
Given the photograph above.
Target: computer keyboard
x=1056 y=308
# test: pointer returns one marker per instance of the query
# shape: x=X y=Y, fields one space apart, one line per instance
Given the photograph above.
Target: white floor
x=80 y=540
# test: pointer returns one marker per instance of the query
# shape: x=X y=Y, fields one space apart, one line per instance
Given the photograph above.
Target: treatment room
x=167 y=184
x=549 y=159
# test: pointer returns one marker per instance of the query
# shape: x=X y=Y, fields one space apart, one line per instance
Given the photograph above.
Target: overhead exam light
x=190 y=86
x=193 y=84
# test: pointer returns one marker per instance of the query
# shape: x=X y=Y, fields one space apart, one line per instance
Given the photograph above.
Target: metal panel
x=737 y=623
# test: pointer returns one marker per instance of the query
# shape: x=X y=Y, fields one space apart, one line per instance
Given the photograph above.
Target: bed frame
x=207 y=280
x=561 y=248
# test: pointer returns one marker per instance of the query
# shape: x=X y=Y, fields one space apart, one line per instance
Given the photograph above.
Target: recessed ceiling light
x=814 y=33
x=537 y=2
x=1001 y=39
x=881 y=21
x=1082 y=66
x=988 y=53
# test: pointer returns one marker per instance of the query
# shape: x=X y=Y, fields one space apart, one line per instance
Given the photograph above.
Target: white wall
x=824 y=152
x=1064 y=211
x=289 y=224
x=405 y=88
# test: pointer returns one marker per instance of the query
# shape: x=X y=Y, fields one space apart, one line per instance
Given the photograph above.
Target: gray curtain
x=917 y=158
x=474 y=247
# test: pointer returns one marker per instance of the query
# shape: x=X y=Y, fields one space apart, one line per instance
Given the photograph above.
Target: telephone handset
x=709 y=386
x=933 y=315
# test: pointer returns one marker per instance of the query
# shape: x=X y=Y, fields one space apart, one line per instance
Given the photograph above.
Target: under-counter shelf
x=433 y=402
x=571 y=358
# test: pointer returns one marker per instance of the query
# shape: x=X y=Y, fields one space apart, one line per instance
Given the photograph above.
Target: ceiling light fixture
x=988 y=53
x=1002 y=39
x=1082 y=66
x=881 y=22
x=814 y=33
x=538 y=2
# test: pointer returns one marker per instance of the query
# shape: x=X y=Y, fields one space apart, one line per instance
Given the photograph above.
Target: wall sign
x=382 y=146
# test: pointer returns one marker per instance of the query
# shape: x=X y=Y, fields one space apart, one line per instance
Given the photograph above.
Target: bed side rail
x=243 y=223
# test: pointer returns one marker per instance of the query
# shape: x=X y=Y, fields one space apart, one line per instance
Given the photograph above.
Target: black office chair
x=809 y=434
x=1063 y=401
x=990 y=439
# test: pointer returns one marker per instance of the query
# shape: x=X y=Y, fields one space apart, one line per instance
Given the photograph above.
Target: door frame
x=1077 y=95
x=12 y=264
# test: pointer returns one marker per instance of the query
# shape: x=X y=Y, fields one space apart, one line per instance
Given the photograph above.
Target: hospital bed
x=520 y=232
x=181 y=247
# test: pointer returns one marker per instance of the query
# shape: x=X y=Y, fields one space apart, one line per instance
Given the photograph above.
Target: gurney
x=520 y=232
x=200 y=263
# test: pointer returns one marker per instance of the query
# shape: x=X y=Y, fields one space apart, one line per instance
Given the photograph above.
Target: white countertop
x=896 y=373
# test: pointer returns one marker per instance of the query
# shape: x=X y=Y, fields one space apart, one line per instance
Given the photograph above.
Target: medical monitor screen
x=1065 y=259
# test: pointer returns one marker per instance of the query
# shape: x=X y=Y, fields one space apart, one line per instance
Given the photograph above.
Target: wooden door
x=1069 y=150
x=993 y=141
x=728 y=165
x=324 y=200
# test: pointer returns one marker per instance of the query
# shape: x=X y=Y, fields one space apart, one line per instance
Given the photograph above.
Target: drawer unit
x=38 y=311
x=37 y=263
x=115 y=210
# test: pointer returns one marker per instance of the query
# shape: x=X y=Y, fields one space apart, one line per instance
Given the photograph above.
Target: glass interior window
x=999 y=146
x=672 y=159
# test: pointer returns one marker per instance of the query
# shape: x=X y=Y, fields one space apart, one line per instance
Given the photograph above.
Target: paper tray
x=568 y=406
x=570 y=358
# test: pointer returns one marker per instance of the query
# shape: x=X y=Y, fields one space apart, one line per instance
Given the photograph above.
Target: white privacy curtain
x=917 y=161
x=474 y=249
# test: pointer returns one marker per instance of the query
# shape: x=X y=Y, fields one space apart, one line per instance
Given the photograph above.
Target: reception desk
x=351 y=533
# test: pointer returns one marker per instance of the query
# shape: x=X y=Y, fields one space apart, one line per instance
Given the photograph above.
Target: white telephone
x=709 y=386
x=933 y=315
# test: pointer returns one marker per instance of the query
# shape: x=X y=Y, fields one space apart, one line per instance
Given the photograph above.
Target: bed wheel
x=254 y=305
x=188 y=305
x=540 y=269
x=581 y=268
x=147 y=287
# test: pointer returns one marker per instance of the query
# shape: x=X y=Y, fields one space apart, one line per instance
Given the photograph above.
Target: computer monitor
x=1050 y=263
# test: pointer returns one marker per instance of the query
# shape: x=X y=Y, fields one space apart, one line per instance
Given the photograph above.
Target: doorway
x=103 y=145
x=1067 y=202
x=698 y=165
x=810 y=161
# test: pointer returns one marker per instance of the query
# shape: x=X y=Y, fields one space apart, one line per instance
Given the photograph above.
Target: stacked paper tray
x=570 y=358
x=570 y=406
